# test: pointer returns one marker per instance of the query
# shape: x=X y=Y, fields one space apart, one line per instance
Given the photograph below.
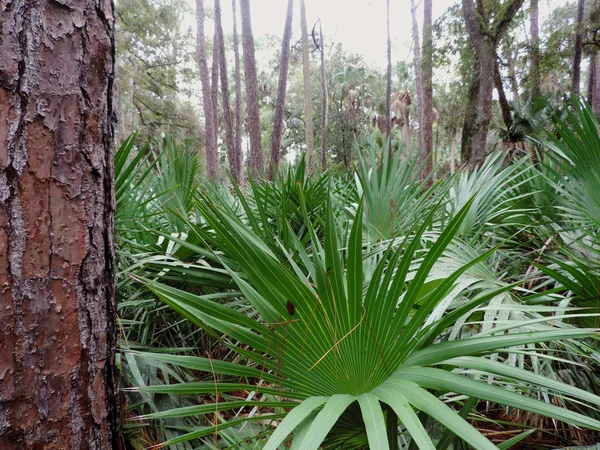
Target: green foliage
x=324 y=314
x=155 y=65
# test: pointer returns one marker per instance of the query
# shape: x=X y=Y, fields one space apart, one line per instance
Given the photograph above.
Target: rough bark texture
x=324 y=102
x=308 y=112
x=214 y=94
x=594 y=84
x=238 y=95
x=212 y=162
x=388 y=90
x=576 y=73
x=234 y=165
x=485 y=36
x=256 y=155
x=417 y=67
x=534 y=68
x=57 y=309
x=427 y=106
x=284 y=62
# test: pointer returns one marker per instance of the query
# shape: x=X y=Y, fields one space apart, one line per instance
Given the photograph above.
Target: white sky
x=358 y=24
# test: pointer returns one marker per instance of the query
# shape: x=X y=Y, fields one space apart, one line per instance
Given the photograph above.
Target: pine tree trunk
x=227 y=114
x=324 y=102
x=594 y=84
x=427 y=72
x=212 y=162
x=57 y=308
x=418 y=68
x=388 y=90
x=214 y=94
x=534 y=68
x=238 y=97
x=256 y=155
x=576 y=73
x=284 y=62
x=308 y=112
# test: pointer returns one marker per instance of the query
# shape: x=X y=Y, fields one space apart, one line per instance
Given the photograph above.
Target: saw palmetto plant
x=341 y=329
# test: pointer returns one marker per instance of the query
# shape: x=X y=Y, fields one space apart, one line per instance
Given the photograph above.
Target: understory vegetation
x=363 y=308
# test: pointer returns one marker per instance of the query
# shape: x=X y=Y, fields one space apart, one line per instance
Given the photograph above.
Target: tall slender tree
x=284 y=62
x=388 y=90
x=417 y=68
x=579 y=31
x=324 y=100
x=210 y=120
x=427 y=106
x=534 y=68
x=214 y=93
x=238 y=95
x=234 y=163
x=308 y=108
x=253 y=111
x=57 y=319
x=594 y=84
x=485 y=33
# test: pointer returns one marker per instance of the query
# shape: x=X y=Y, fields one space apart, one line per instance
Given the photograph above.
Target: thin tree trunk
x=417 y=68
x=512 y=71
x=214 y=93
x=308 y=112
x=57 y=325
x=453 y=155
x=227 y=115
x=256 y=154
x=388 y=92
x=576 y=77
x=594 y=84
x=502 y=100
x=324 y=102
x=427 y=72
x=284 y=62
x=238 y=97
x=466 y=143
x=534 y=69
x=207 y=99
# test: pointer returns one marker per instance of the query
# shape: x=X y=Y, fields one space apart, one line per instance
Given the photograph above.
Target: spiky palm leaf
x=329 y=337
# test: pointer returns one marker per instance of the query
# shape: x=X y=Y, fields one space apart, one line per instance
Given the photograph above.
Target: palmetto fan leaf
x=331 y=337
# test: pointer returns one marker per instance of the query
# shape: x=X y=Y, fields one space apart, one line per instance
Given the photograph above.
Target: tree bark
x=57 y=308
x=427 y=106
x=308 y=112
x=256 y=155
x=324 y=102
x=534 y=69
x=234 y=166
x=210 y=127
x=388 y=91
x=485 y=37
x=214 y=93
x=284 y=62
x=238 y=96
x=576 y=74
x=502 y=100
x=418 y=68
x=594 y=84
